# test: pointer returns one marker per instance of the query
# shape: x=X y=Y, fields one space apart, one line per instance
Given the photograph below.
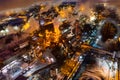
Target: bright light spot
x=115 y=37
x=62 y=14
x=92 y=18
x=42 y=22
x=7 y=30
x=26 y=26
x=119 y=39
x=4 y=71
x=2 y=31
x=40 y=35
x=99 y=37
x=82 y=8
x=69 y=9
x=16 y=28
x=61 y=20
x=97 y=40
x=105 y=4
x=42 y=7
x=38 y=47
x=57 y=33
x=24 y=56
x=52 y=60
x=81 y=58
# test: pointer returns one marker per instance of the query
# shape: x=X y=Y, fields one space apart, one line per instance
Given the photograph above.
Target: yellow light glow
x=42 y=8
x=92 y=18
x=119 y=39
x=82 y=8
x=56 y=8
x=26 y=26
x=62 y=14
x=56 y=34
x=51 y=36
x=40 y=35
x=69 y=9
x=23 y=17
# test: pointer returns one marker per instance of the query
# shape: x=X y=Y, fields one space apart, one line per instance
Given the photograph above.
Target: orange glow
x=48 y=37
x=56 y=34
x=82 y=8
x=62 y=14
x=26 y=26
x=51 y=36
x=69 y=9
